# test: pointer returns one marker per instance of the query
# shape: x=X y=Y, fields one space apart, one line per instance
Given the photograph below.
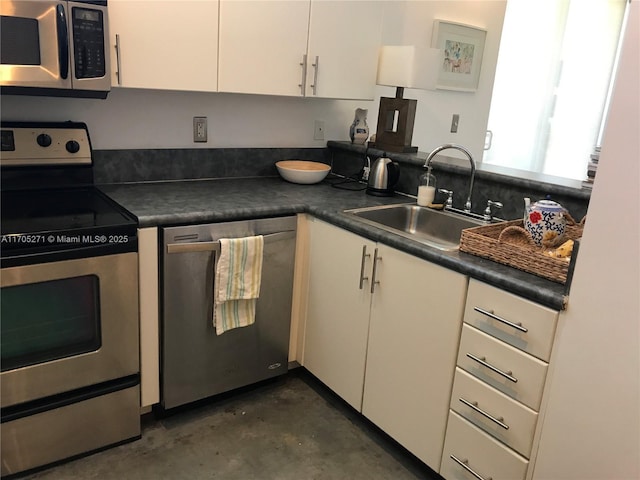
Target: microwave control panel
x=88 y=43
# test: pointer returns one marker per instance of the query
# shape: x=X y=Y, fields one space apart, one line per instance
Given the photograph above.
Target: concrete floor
x=290 y=428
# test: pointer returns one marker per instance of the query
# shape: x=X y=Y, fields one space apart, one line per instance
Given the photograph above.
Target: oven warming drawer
x=75 y=429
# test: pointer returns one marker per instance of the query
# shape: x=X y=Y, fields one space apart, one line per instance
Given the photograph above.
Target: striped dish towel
x=237 y=282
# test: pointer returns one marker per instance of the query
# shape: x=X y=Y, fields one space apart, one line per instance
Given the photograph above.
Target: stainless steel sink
x=438 y=229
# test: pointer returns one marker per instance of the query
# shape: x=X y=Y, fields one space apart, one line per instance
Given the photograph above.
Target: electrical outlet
x=199 y=129
x=318 y=130
x=454 y=123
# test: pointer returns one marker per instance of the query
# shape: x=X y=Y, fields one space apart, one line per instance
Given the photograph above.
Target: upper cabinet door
x=262 y=46
x=344 y=40
x=160 y=44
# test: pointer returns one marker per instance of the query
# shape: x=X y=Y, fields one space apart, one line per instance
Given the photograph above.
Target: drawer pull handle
x=474 y=406
x=482 y=361
x=490 y=314
x=364 y=256
x=464 y=464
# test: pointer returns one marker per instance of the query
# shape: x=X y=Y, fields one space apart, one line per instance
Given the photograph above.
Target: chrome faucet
x=427 y=165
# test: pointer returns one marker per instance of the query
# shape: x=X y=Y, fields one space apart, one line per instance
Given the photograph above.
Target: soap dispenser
x=426 y=188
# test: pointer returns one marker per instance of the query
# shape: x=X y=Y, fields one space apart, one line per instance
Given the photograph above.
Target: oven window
x=45 y=321
x=19 y=41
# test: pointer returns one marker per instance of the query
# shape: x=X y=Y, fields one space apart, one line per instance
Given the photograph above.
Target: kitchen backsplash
x=453 y=174
x=151 y=165
x=130 y=166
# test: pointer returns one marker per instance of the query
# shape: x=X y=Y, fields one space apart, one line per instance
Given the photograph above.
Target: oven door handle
x=214 y=246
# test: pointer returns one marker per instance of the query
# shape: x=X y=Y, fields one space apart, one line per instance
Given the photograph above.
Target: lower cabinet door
x=416 y=316
x=337 y=324
x=470 y=454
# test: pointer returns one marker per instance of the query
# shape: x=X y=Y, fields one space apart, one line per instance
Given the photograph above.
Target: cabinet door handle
x=464 y=464
x=490 y=314
x=302 y=84
x=315 y=66
x=375 y=282
x=474 y=407
x=365 y=255
x=482 y=361
x=119 y=65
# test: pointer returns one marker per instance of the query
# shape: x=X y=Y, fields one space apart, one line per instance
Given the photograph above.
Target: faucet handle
x=449 y=202
x=488 y=217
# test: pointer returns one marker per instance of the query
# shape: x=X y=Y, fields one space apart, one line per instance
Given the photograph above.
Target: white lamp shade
x=408 y=66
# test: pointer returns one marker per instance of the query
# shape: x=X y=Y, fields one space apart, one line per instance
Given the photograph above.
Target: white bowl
x=302 y=171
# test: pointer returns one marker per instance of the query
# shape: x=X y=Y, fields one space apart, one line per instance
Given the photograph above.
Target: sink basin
x=438 y=229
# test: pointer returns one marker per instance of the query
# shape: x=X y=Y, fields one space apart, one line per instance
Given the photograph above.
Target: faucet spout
x=446 y=146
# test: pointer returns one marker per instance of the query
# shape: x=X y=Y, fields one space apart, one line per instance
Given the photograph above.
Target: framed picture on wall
x=461 y=49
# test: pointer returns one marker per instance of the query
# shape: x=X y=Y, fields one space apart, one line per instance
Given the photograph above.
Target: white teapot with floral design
x=545 y=221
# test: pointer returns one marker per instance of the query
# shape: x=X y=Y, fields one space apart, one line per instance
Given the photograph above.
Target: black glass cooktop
x=49 y=220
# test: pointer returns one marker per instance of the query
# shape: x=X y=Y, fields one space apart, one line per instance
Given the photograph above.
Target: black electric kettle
x=383 y=176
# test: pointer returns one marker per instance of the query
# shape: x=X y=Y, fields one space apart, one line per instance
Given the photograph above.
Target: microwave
x=54 y=48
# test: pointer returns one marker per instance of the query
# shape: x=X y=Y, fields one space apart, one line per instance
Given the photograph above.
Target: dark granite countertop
x=217 y=200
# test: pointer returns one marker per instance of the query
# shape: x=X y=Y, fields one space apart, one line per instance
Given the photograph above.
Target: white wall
x=436 y=107
x=131 y=118
x=163 y=119
x=591 y=429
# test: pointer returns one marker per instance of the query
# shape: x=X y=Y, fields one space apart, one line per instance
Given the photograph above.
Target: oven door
x=67 y=325
x=35 y=44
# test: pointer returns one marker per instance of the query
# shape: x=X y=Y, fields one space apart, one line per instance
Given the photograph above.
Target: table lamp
x=402 y=67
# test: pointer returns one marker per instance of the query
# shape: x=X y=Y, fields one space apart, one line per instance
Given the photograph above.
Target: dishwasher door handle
x=214 y=246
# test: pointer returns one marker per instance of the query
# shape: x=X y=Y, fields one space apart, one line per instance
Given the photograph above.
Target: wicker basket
x=509 y=244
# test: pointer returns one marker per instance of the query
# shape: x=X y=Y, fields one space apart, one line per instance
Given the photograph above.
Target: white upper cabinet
x=316 y=48
x=344 y=40
x=262 y=45
x=169 y=45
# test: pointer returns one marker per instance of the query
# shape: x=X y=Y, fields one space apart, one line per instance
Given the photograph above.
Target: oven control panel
x=44 y=146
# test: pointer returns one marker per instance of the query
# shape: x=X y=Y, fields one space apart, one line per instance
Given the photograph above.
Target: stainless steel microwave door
x=35 y=44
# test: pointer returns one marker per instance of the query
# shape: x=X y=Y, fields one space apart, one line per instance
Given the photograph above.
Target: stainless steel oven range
x=69 y=381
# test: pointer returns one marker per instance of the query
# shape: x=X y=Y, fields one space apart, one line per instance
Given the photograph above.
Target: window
x=552 y=83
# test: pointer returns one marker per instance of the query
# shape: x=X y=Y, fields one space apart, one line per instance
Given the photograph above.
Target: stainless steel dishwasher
x=196 y=363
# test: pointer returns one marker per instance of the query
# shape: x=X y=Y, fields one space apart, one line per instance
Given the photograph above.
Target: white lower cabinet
x=337 y=324
x=416 y=314
x=505 y=368
x=469 y=453
x=505 y=344
x=373 y=308
x=504 y=418
x=149 y=316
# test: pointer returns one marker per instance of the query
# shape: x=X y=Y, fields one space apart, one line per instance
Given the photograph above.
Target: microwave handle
x=63 y=41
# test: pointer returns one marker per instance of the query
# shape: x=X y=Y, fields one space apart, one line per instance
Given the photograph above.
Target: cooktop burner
x=50 y=209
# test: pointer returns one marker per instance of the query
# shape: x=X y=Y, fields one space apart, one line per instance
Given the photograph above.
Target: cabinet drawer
x=479 y=452
x=509 y=370
x=525 y=325
x=502 y=417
